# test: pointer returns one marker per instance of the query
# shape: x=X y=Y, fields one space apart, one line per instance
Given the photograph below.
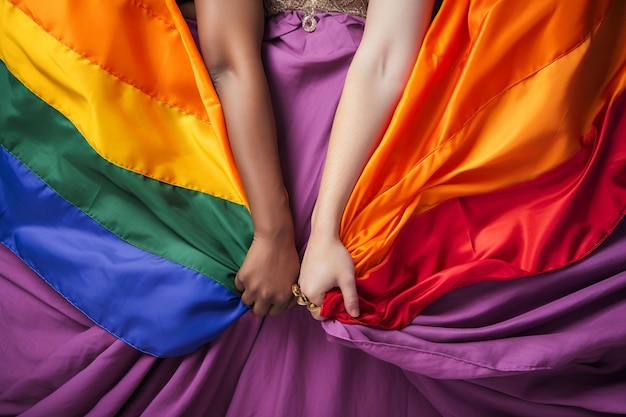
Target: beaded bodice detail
x=354 y=7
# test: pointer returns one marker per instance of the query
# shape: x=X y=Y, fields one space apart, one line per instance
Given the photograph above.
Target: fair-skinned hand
x=267 y=273
x=327 y=264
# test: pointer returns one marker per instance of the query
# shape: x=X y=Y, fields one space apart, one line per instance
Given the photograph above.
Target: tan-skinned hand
x=267 y=273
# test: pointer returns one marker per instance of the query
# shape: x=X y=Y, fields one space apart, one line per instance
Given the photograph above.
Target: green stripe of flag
x=197 y=230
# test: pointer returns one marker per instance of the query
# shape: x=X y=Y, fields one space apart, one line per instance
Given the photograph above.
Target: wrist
x=324 y=226
x=271 y=216
x=276 y=232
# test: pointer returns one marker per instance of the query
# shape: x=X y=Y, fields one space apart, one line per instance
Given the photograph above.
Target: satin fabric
x=540 y=225
x=550 y=345
x=305 y=94
x=512 y=116
x=150 y=86
x=485 y=109
x=137 y=297
x=128 y=187
x=453 y=135
x=489 y=349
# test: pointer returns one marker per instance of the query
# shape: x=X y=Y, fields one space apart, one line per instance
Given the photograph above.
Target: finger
x=276 y=309
x=317 y=316
x=248 y=298
x=350 y=296
x=315 y=298
x=238 y=284
x=261 y=308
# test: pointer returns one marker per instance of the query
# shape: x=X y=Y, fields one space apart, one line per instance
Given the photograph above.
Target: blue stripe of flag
x=156 y=305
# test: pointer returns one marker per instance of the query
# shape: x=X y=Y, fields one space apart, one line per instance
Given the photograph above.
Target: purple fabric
x=306 y=72
x=546 y=322
x=54 y=361
x=531 y=347
x=483 y=350
x=547 y=346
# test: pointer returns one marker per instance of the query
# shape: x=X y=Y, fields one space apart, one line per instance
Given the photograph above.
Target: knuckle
x=352 y=302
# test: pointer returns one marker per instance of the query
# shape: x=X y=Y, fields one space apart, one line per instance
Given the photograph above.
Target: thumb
x=350 y=296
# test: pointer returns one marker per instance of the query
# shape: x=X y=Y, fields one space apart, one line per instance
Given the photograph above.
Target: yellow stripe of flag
x=124 y=125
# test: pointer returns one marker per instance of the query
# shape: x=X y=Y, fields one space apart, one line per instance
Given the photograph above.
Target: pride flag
x=117 y=185
x=506 y=157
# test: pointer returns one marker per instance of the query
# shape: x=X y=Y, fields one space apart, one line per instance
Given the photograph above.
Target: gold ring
x=302 y=299
x=313 y=308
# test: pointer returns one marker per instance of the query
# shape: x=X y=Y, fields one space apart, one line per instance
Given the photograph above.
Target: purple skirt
x=547 y=346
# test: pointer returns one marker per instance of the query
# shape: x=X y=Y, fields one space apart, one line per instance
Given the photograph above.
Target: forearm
x=230 y=39
x=252 y=135
x=373 y=86
x=360 y=121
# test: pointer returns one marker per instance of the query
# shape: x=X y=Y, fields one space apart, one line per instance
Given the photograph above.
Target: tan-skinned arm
x=230 y=38
x=188 y=9
x=394 y=31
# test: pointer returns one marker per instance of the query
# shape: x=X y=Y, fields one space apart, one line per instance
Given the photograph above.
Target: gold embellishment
x=354 y=7
x=302 y=299
x=313 y=308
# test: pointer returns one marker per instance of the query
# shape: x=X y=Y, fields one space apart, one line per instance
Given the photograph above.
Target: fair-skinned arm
x=230 y=39
x=393 y=34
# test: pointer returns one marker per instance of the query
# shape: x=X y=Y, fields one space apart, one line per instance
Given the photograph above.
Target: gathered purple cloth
x=552 y=345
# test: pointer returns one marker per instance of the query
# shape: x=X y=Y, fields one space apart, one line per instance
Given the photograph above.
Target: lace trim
x=353 y=7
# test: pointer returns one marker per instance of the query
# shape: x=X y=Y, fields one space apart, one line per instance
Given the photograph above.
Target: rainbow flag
x=117 y=185
x=506 y=157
